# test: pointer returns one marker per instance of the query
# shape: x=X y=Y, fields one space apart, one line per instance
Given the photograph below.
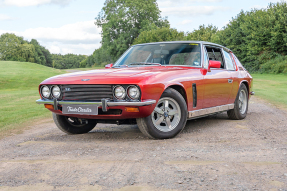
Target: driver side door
x=218 y=81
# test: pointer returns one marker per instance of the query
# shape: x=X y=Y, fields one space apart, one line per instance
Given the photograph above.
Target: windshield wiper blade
x=144 y=63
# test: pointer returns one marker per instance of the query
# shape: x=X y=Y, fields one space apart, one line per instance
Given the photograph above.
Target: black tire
x=147 y=126
x=236 y=113
x=73 y=125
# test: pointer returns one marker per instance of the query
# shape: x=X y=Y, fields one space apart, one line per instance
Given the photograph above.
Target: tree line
x=257 y=37
x=15 y=48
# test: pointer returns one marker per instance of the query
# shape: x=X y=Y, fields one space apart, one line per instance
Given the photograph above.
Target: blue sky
x=67 y=26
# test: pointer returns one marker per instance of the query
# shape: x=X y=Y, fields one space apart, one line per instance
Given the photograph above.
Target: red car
x=158 y=86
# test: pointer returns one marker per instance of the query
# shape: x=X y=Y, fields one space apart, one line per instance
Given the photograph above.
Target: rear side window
x=228 y=61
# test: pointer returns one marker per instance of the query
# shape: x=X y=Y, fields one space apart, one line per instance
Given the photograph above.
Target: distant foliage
x=257 y=36
x=276 y=66
x=159 y=35
x=68 y=60
x=14 y=48
x=203 y=33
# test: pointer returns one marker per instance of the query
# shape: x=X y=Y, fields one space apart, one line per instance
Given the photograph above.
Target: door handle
x=230 y=80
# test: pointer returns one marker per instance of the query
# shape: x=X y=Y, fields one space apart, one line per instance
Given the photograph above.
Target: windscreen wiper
x=144 y=63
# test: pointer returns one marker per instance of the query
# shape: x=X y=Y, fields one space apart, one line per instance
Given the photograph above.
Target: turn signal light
x=132 y=109
x=48 y=106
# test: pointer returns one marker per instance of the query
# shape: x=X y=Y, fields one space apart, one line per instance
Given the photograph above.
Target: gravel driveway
x=212 y=153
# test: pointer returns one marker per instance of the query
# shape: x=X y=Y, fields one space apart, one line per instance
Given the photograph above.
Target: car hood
x=112 y=76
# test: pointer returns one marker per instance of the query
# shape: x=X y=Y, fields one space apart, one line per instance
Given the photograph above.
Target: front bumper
x=104 y=103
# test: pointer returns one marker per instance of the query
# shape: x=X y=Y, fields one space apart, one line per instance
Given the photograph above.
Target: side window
x=215 y=54
x=228 y=61
x=206 y=60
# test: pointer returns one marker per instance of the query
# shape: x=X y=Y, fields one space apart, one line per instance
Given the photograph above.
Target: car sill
x=209 y=111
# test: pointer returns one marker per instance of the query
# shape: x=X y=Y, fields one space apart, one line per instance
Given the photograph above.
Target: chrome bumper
x=104 y=103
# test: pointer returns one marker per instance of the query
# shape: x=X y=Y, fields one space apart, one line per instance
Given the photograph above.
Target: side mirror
x=109 y=65
x=214 y=64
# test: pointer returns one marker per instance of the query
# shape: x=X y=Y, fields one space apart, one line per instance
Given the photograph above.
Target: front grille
x=86 y=92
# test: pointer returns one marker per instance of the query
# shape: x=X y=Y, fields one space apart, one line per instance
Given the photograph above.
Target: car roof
x=198 y=42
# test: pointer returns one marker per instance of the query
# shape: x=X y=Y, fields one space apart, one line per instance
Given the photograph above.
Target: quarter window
x=228 y=61
x=206 y=60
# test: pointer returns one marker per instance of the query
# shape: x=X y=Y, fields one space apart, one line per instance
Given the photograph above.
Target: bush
x=276 y=66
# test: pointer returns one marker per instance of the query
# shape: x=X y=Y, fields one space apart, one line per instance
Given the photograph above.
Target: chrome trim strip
x=208 y=111
x=109 y=103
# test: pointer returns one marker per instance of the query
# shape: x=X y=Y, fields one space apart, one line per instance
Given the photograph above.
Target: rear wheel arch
x=247 y=86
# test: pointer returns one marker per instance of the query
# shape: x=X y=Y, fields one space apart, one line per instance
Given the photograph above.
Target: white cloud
x=191 y=10
x=5 y=17
x=171 y=3
x=184 y=22
x=26 y=3
x=77 y=48
x=78 y=38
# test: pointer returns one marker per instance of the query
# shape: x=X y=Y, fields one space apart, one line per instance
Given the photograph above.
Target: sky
x=67 y=26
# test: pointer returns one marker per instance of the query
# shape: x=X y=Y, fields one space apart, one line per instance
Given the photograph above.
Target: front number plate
x=80 y=109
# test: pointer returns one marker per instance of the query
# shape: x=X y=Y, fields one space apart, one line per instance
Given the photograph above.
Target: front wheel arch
x=147 y=125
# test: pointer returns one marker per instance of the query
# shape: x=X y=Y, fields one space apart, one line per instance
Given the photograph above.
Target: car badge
x=85 y=80
x=68 y=89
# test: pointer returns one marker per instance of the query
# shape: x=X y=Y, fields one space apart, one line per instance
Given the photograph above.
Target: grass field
x=272 y=88
x=19 y=83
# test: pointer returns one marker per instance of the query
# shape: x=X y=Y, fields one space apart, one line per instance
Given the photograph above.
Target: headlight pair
x=133 y=92
x=55 y=91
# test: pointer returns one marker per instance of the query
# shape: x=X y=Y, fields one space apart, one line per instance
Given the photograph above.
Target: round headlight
x=120 y=92
x=56 y=91
x=45 y=91
x=133 y=92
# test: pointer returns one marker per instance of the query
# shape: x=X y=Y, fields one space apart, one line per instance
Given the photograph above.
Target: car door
x=218 y=81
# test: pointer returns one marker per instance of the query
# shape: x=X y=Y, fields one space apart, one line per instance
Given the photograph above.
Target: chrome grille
x=86 y=92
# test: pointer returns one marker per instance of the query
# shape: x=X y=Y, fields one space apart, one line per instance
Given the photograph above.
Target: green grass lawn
x=19 y=83
x=272 y=88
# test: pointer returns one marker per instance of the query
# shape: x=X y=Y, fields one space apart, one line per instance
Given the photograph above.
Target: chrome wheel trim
x=242 y=101
x=166 y=115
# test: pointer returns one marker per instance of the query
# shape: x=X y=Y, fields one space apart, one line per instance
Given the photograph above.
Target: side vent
x=194 y=93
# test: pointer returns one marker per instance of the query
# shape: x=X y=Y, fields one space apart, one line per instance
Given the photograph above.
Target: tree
x=9 y=46
x=123 y=20
x=159 y=35
x=257 y=36
x=26 y=52
x=203 y=33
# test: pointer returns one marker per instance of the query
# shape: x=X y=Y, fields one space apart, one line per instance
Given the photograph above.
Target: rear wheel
x=240 y=104
x=72 y=125
x=167 y=119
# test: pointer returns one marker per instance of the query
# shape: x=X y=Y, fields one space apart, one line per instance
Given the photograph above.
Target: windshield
x=161 y=54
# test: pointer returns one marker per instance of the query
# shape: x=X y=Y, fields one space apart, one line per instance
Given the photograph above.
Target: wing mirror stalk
x=109 y=65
